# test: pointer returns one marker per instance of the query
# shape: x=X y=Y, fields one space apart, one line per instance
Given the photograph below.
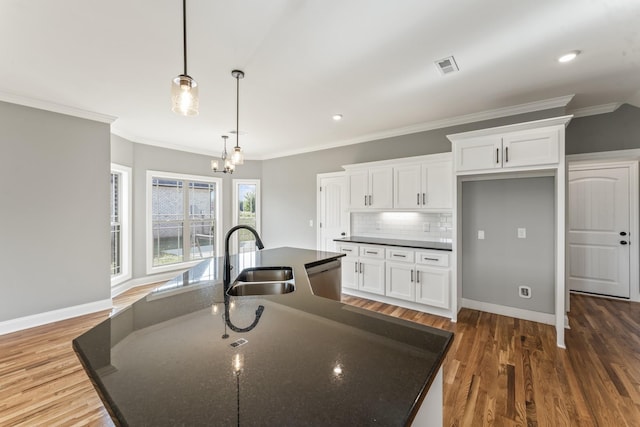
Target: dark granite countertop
x=415 y=244
x=308 y=360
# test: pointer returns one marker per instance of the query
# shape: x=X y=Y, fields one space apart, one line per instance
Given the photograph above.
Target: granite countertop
x=307 y=361
x=415 y=244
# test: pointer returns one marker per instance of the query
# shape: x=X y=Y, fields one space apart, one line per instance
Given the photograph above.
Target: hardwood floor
x=500 y=371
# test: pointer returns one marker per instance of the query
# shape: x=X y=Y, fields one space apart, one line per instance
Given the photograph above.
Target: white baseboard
x=39 y=319
x=400 y=303
x=519 y=313
x=141 y=281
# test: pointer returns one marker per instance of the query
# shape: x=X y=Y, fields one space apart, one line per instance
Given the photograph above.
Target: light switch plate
x=522 y=233
x=480 y=234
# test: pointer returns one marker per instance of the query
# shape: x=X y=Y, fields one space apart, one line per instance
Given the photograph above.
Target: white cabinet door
x=407 y=186
x=381 y=187
x=400 y=281
x=358 y=182
x=437 y=185
x=530 y=148
x=371 y=276
x=479 y=153
x=432 y=286
x=350 y=275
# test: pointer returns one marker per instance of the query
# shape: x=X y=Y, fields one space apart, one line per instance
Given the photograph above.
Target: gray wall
x=289 y=183
x=54 y=209
x=619 y=130
x=493 y=268
x=143 y=157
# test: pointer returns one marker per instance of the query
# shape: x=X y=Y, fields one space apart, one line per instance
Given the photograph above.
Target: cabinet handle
x=497 y=155
x=418 y=199
x=361 y=268
x=356 y=265
x=506 y=154
x=400 y=255
x=346 y=250
x=370 y=199
x=430 y=259
x=365 y=200
x=411 y=276
x=371 y=252
x=424 y=198
x=417 y=276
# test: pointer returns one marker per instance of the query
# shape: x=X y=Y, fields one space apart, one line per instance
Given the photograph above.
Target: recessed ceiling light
x=569 y=56
x=337 y=117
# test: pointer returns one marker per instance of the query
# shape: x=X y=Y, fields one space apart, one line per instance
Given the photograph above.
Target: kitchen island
x=290 y=359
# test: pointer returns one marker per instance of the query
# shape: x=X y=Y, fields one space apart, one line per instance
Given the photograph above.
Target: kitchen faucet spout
x=226 y=279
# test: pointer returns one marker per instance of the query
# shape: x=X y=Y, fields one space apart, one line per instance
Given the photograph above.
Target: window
x=183 y=220
x=120 y=205
x=246 y=210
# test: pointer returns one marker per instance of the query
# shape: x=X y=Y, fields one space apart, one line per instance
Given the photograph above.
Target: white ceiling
x=370 y=60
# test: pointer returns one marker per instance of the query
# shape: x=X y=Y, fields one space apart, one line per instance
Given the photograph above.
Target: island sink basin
x=263 y=281
x=260 y=288
x=265 y=274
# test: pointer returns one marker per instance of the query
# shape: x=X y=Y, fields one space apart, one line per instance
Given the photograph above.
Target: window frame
x=236 y=183
x=151 y=174
x=125 y=209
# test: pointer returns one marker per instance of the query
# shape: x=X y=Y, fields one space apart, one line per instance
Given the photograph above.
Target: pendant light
x=184 y=90
x=225 y=161
x=237 y=157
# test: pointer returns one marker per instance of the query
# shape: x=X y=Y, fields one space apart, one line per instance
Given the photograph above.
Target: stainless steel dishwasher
x=326 y=279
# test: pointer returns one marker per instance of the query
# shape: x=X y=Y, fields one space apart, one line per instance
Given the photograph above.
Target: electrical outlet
x=480 y=234
x=310 y=223
x=522 y=233
x=426 y=227
x=524 y=291
x=378 y=225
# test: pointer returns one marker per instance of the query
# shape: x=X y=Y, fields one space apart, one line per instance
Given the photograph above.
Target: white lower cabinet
x=363 y=268
x=420 y=276
x=417 y=276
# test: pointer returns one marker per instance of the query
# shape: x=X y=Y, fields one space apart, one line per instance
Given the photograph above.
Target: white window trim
x=125 y=228
x=149 y=223
x=236 y=183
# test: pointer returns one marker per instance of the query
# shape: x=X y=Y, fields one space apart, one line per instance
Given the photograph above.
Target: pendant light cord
x=237 y=110
x=184 y=34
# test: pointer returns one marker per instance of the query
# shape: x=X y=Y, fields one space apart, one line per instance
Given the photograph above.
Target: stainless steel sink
x=263 y=281
x=260 y=288
x=265 y=274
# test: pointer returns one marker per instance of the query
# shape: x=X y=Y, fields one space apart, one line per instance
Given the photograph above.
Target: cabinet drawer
x=432 y=258
x=401 y=255
x=348 y=248
x=372 y=252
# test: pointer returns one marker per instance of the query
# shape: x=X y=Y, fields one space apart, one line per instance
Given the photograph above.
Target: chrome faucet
x=226 y=278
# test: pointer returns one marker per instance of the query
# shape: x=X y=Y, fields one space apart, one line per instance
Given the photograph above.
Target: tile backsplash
x=402 y=225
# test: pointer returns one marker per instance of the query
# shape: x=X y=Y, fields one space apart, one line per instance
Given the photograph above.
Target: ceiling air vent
x=447 y=65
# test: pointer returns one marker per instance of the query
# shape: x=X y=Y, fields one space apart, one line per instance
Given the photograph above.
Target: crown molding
x=528 y=107
x=162 y=144
x=55 y=107
x=596 y=109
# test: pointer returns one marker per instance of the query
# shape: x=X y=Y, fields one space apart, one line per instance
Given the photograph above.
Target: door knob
x=623 y=242
x=623 y=233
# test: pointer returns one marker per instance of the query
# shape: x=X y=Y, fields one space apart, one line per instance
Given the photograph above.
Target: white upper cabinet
x=425 y=185
x=416 y=183
x=370 y=187
x=524 y=146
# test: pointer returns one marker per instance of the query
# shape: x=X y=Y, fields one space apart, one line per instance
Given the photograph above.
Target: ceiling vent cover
x=447 y=65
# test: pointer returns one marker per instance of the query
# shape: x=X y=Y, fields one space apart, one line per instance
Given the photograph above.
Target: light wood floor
x=500 y=371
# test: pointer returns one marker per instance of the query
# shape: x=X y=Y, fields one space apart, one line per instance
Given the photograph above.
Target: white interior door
x=598 y=232
x=333 y=216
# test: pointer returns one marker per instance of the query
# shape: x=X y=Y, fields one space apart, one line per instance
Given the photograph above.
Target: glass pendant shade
x=214 y=165
x=238 y=156
x=184 y=95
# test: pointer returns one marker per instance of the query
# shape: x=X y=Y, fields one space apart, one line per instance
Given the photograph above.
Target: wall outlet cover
x=522 y=233
x=426 y=227
x=480 y=234
x=524 y=291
